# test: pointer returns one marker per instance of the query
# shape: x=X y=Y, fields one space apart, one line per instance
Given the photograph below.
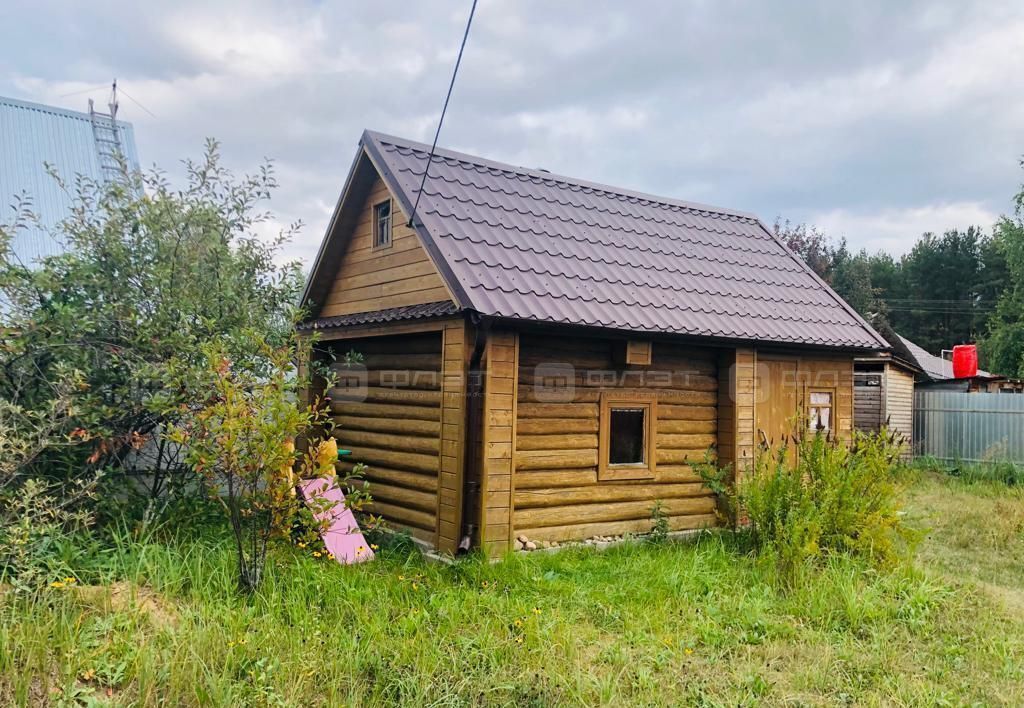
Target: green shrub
x=818 y=497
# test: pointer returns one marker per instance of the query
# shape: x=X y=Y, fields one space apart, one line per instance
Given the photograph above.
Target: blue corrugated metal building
x=33 y=135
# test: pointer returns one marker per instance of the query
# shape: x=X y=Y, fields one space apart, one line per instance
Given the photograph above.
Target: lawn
x=693 y=623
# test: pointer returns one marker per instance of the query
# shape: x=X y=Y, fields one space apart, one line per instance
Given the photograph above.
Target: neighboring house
x=883 y=386
x=33 y=135
x=619 y=338
x=937 y=374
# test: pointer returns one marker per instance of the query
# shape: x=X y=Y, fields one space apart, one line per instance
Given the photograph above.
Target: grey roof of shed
x=935 y=367
x=527 y=244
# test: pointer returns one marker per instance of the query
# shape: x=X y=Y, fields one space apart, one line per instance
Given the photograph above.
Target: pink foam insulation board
x=342 y=536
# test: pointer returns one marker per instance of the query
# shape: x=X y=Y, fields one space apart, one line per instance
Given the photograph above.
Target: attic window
x=382 y=224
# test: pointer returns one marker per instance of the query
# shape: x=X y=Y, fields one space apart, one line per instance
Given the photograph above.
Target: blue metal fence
x=969 y=427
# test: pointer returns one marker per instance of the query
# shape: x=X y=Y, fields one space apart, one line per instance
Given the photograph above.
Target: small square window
x=819 y=411
x=627 y=448
x=382 y=224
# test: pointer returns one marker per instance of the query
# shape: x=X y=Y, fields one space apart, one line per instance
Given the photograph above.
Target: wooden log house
x=547 y=356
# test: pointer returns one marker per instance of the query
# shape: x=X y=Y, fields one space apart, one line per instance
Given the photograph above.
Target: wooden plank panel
x=564 y=441
x=403 y=426
x=385 y=441
x=577 y=532
x=361 y=408
x=602 y=493
x=616 y=511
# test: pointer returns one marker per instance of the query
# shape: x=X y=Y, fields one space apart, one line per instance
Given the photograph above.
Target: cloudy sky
x=874 y=120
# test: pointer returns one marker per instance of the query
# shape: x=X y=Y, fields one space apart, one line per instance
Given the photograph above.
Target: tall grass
x=1004 y=472
x=691 y=623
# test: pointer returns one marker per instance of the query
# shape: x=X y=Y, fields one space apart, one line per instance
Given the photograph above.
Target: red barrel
x=965 y=361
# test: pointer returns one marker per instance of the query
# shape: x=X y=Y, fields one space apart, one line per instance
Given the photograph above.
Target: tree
x=240 y=438
x=1003 y=344
x=809 y=243
x=149 y=277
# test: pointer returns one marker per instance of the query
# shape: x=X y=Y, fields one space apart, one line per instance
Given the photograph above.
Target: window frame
x=378 y=243
x=611 y=400
x=831 y=407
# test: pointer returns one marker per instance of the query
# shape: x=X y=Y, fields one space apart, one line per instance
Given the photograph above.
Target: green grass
x=681 y=623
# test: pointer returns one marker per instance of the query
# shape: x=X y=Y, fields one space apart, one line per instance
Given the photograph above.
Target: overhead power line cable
x=437 y=133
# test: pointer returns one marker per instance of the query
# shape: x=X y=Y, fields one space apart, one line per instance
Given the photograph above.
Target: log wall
x=556 y=492
x=393 y=424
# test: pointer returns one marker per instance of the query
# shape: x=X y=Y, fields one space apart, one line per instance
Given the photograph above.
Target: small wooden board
x=342 y=536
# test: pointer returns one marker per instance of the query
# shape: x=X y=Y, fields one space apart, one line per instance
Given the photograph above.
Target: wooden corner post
x=453 y=436
x=501 y=361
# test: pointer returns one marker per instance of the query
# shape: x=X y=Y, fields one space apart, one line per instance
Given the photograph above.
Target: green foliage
x=997 y=471
x=1004 y=344
x=943 y=292
x=659 y=523
x=148 y=277
x=694 y=623
x=241 y=439
x=836 y=499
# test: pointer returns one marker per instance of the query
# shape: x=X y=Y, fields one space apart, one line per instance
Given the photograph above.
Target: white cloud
x=895 y=230
x=877 y=119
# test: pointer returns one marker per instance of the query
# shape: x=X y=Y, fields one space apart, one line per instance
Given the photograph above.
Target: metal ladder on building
x=107 y=135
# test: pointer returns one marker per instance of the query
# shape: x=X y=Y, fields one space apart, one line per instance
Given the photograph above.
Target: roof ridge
x=555 y=177
x=52 y=110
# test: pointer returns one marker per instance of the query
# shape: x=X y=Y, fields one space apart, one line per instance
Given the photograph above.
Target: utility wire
x=451 y=85
x=79 y=93
x=128 y=95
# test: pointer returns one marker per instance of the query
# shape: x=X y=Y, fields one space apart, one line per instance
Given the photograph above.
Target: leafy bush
x=242 y=441
x=835 y=498
x=148 y=276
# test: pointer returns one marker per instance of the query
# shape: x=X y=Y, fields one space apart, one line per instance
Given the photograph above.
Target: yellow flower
x=688 y=651
x=317 y=554
x=519 y=623
x=300 y=544
x=330 y=556
x=415 y=586
x=519 y=640
x=56 y=584
x=536 y=610
x=484 y=584
x=231 y=644
x=374 y=546
x=70 y=580
x=401 y=577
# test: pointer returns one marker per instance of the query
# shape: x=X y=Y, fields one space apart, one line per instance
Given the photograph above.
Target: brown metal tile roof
x=527 y=244
x=393 y=314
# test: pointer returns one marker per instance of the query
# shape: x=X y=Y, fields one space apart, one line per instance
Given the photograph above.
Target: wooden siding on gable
x=380 y=278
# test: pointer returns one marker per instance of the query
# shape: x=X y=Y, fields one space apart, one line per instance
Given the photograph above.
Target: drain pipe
x=471 y=460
